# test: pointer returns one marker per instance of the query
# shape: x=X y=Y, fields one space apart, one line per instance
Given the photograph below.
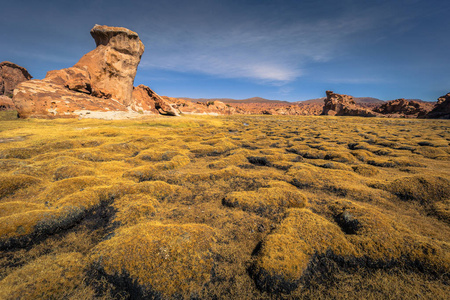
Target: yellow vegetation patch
x=267 y=199
x=60 y=189
x=434 y=153
x=158 y=155
x=164 y=259
x=442 y=209
x=366 y=170
x=425 y=189
x=37 y=221
x=286 y=252
x=49 y=277
x=72 y=171
x=162 y=191
x=11 y=208
x=133 y=208
x=11 y=183
x=236 y=158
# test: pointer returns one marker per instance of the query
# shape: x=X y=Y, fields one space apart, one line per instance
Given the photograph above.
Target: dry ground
x=248 y=207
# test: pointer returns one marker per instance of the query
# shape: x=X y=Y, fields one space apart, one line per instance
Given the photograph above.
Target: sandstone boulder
x=99 y=85
x=442 y=108
x=10 y=76
x=403 y=107
x=344 y=105
x=6 y=103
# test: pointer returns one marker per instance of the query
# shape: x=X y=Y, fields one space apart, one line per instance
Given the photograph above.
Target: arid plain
x=225 y=207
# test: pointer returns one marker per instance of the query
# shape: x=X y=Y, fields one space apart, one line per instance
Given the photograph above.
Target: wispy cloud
x=257 y=46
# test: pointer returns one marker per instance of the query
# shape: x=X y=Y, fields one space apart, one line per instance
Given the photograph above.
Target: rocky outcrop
x=344 y=105
x=10 y=76
x=100 y=84
x=145 y=99
x=442 y=108
x=403 y=108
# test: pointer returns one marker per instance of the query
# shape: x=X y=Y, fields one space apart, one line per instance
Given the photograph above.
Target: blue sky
x=280 y=49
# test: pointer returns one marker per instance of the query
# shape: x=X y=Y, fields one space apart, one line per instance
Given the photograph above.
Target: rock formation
x=343 y=105
x=99 y=85
x=10 y=76
x=403 y=108
x=442 y=108
x=145 y=99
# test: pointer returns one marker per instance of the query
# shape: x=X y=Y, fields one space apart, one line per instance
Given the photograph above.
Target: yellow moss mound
x=133 y=208
x=343 y=157
x=20 y=153
x=158 y=155
x=332 y=181
x=49 y=277
x=160 y=190
x=442 y=210
x=11 y=183
x=65 y=172
x=164 y=259
x=142 y=173
x=56 y=191
x=267 y=199
x=286 y=252
x=425 y=189
x=14 y=207
x=433 y=153
x=37 y=222
x=213 y=148
x=236 y=158
x=56 y=208
x=366 y=170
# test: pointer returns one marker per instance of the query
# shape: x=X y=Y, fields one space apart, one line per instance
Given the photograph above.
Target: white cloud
x=268 y=51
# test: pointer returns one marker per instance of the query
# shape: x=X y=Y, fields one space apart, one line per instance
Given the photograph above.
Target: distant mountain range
x=228 y=100
x=361 y=100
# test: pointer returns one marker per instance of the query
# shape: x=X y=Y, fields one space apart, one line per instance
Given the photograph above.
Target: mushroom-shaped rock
x=112 y=65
